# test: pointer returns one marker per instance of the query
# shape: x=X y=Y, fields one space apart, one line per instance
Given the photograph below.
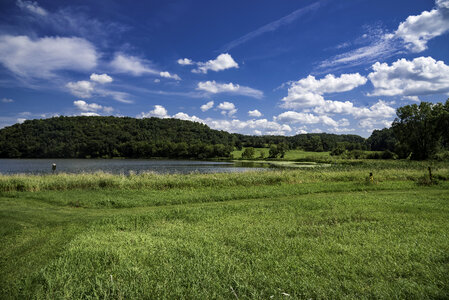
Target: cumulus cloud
x=207 y=106
x=159 y=112
x=83 y=88
x=88 y=89
x=416 y=31
x=254 y=113
x=227 y=108
x=260 y=126
x=91 y=107
x=186 y=117
x=372 y=124
x=40 y=58
x=31 y=7
x=307 y=92
x=378 y=110
x=89 y=114
x=215 y=88
x=166 y=74
x=334 y=107
x=103 y=78
x=293 y=117
x=222 y=62
x=7 y=100
x=421 y=76
x=185 y=62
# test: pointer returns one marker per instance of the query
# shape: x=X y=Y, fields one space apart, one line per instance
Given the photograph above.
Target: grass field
x=321 y=233
x=298 y=155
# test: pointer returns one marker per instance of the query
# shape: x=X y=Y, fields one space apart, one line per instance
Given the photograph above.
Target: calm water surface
x=118 y=166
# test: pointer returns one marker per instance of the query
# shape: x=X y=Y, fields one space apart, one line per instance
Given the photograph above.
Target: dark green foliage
x=85 y=137
x=105 y=137
x=420 y=128
x=248 y=153
x=381 y=140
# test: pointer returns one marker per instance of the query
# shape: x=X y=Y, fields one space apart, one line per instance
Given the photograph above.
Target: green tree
x=416 y=128
x=381 y=140
x=248 y=153
x=273 y=152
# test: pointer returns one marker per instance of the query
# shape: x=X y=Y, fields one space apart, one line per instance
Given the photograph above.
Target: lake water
x=119 y=166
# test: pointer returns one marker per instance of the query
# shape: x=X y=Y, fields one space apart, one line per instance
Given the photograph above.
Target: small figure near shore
x=53 y=168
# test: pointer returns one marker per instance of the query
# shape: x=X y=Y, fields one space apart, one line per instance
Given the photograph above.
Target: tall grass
x=350 y=171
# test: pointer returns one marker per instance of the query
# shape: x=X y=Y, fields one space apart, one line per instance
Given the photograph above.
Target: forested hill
x=84 y=137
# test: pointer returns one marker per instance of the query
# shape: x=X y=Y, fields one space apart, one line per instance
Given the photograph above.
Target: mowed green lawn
x=335 y=236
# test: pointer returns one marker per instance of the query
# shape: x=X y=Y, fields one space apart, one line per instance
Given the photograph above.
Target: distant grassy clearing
x=289 y=155
x=284 y=164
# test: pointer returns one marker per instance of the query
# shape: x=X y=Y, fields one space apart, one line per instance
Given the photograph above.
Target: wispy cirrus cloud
x=412 y=35
x=273 y=26
x=214 y=87
x=69 y=21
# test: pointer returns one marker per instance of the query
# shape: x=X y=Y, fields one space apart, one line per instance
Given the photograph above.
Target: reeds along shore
x=393 y=171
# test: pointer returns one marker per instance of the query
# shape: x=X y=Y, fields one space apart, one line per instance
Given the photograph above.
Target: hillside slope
x=86 y=137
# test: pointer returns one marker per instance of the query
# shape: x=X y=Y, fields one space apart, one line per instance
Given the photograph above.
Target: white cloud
x=133 y=65
x=372 y=124
x=157 y=80
x=21 y=120
x=442 y=4
x=42 y=57
x=83 y=88
x=166 y=74
x=413 y=34
x=87 y=89
x=416 y=31
x=293 y=117
x=307 y=92
x=254 y=113
x=228 y=108
x=185 y=62
x=334 y=107
x=222 y=62
x=207 y=106
x=250 y=127
x=117 y=96
x=92 y=107
x=84 y=106
x=103 y=78
x=7 y=100
x=378 y=110
x=421 y=76
x=215 y=88
x=159 y=112
x=31 y=7
x=186 y=117
x=89 y=114
x=260 y=126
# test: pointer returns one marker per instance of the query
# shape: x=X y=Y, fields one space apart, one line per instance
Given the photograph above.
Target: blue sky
x=271 y=67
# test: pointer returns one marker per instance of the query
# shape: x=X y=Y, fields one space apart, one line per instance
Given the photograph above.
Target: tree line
x=419 y=132
x=106 y=137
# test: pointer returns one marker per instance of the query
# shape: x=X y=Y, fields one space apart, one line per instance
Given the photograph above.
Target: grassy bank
x=322 y=233
x=348 y=171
